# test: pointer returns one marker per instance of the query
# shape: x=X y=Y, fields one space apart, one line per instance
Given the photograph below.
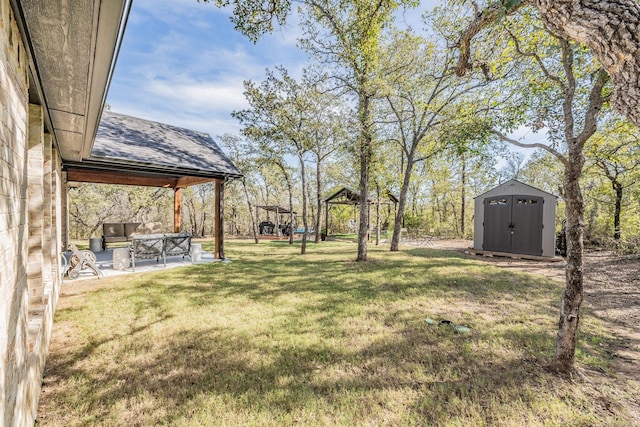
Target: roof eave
x=109 y=32
x=56 y=77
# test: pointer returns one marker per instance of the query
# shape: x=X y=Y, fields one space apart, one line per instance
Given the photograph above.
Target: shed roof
x=345 y=196
x=128 y=147
x=513 y=182
x=276 y=209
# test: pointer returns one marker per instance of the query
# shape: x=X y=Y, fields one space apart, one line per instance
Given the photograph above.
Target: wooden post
x=219 y=232
x=326 y=219
x=176 y=209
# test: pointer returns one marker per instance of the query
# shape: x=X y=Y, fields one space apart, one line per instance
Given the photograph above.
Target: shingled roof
x=130 y=145
x=133 y=140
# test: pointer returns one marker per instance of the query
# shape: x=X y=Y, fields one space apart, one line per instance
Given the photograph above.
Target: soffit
x=73 y=48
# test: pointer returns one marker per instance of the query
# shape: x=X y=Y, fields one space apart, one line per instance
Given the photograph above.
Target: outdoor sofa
x=120 y=232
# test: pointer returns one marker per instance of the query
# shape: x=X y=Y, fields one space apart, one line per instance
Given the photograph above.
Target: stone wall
x=31 y=189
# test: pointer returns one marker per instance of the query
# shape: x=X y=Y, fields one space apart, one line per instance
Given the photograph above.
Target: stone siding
x=31 y=191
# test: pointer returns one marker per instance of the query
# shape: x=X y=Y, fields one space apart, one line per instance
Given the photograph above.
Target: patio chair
x=147 y=247
x=177 y=245
x=81 y=260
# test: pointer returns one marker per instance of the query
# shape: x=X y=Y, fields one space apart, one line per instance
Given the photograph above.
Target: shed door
x=497 y=217
x=513 y=224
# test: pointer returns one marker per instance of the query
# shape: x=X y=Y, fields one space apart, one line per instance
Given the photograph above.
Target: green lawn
x=275 y=338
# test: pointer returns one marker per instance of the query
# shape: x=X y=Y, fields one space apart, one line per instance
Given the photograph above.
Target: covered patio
x=134 y=151
x=105 y=263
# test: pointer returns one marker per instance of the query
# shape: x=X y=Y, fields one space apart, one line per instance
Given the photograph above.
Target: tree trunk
x=365 y=154
x=377 y=215
x=303 y=173
x=319 y=202
x=573 y=293
x=610 y=30
x=617 y=187
x=254 y=227
x=463 y=196
x=290 y=190
x=402 y=201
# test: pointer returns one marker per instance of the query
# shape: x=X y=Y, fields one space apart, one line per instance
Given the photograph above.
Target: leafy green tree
x=422 y=94
x=615 y=152
x=242 y=157
x=279 y=113
x=607 y=27
x=345 y=37
x=560 y=87
x=327 y=122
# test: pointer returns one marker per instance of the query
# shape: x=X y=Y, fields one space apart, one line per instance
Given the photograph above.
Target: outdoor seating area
x=159 y=246
x=119 y=232
x=151 y=255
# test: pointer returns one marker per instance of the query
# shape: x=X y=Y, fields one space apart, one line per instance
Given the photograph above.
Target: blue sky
x=182 y=63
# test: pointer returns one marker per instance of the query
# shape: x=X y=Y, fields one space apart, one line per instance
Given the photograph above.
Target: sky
x=182 y=63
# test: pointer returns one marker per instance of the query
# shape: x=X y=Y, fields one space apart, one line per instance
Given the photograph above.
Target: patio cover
x=134 y=151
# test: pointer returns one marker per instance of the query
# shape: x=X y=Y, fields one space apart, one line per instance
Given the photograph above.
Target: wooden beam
x=123 y=178
x=176 y=209
x=187 y=181
x=219 y=231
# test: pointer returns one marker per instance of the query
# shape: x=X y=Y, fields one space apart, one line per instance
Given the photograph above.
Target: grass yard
x=275 y=338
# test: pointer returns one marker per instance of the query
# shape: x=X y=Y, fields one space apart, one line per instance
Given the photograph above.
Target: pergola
x=133 y=151
x=278 y=210
x=345 y=196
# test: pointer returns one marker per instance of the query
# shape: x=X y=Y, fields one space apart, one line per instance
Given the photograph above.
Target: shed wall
x=518 y=188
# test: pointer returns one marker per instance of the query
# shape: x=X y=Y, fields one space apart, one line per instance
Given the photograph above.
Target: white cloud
x=220 y=96
x=182 y=63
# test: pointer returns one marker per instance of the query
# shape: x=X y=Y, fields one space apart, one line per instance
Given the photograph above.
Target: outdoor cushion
x=114 y=229
x=130 y=228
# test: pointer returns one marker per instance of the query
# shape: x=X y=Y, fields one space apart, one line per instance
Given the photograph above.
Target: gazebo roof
x=130 y=150
x=345 y=196
x=277 y=209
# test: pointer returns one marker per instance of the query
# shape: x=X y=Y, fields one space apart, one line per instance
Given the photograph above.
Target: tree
x=327 y=125
x=616 y=154
x=423 y=93
x=242 y=158
x=279 y=115
x=608 y=28
x=563 y=92
x=345 y=37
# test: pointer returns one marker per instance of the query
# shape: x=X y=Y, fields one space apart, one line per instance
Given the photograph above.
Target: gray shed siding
x=514 y=187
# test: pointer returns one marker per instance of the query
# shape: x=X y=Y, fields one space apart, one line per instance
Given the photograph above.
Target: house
x=515 y=218
x=56 y=61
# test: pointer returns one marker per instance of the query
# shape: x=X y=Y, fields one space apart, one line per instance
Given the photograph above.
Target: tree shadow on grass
x=416 y=373
x=358 y=344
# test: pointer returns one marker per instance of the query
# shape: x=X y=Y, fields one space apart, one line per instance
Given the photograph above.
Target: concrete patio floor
x=104 y=259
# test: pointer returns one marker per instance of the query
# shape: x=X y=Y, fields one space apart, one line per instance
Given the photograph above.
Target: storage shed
x=515 y=218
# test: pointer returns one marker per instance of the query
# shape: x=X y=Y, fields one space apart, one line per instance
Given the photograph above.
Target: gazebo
x=134 y=151
x=345 y=196
x=277 y=211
